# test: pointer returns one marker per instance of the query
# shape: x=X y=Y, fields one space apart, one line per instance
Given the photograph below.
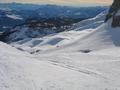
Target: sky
x=62 y=2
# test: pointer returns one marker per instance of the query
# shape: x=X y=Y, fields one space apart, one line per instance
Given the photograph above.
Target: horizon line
x=73 y=5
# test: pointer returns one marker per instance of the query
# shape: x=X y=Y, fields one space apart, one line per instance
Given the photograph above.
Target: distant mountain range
x=52 y=10
x=12 y=14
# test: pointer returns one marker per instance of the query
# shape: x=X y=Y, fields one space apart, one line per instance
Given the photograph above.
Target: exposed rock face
x=113 y=13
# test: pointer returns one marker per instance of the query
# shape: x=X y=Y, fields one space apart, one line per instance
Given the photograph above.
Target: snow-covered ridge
x=90 y=23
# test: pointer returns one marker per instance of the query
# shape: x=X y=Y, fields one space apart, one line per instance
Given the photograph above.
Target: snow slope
x=50 y=41
x=20 y=72
x=103 y=62
x=90 y=23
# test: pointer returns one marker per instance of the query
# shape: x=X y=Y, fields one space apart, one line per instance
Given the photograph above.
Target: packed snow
x=71 y=60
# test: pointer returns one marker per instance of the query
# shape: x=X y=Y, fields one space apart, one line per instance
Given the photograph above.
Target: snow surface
x=14 y=17
x=90 y=23
x=60 y=61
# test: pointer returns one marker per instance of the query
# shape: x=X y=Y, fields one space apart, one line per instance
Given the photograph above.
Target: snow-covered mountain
x=9 y=19
x=48 y=11
x=25 y=32
x=66 y=66
x=91 y=23
x=24 y=36
x=85 y=59
x=12 y=14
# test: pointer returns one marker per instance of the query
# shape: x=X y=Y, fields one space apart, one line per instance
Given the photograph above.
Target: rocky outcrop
x=114 y=13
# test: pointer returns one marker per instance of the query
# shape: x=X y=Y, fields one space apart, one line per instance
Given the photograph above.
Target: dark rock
x=86 y=51
x=115 y=7
x=116 y=21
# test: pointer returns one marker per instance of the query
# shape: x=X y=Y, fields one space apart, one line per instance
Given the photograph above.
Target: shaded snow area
x=71 y=60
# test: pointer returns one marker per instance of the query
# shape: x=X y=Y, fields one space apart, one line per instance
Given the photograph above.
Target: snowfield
x=71 y=60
